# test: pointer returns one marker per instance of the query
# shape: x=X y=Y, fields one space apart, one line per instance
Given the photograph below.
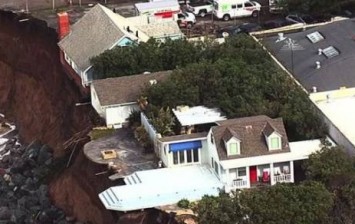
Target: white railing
x=149 y=127
x=240 y=183
x=283 y=178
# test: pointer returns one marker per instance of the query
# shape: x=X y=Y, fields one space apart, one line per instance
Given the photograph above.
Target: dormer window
x=231 y=142
x=233 y=149
x=275 y=142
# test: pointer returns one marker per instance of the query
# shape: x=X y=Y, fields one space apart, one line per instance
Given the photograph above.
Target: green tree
x=330 y=166
x=223 y=210
x=309 y=202
x=163 y=121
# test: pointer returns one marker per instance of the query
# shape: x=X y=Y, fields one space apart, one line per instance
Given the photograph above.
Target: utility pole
x=53 y=5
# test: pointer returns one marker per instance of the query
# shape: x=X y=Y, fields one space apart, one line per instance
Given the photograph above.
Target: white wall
x=153 y=134
x=338 y=136
x=119 y=114
x=95 y=102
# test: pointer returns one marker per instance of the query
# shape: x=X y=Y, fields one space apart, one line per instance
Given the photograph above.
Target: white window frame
x=279 y=142
x=185 y=157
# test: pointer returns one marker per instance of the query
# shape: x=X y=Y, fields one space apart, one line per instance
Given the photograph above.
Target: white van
x=227 y=9
x=164 y=9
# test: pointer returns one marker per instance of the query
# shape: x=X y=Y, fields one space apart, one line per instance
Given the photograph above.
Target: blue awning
x=185 y=146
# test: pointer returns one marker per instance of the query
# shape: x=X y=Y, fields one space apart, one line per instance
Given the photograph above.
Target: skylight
x=315 y=37
x=330 y=52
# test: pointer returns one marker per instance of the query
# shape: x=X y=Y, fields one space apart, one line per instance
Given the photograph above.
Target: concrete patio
x=130 y=154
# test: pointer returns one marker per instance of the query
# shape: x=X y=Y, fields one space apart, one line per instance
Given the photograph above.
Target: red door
x=252 y=174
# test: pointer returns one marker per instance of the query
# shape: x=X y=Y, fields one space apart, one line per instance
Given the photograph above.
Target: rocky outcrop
x=23 y=189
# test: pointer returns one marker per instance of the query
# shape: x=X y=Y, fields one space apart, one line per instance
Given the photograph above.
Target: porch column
x=272 y=182
x=292 y=172
x=248 y=176
x=226 y=178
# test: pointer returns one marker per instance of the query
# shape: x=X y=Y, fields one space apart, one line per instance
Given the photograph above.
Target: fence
x=153 y=135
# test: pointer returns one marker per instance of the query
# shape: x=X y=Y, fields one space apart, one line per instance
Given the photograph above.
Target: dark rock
x=5 y=213
x=44 y=155
x=7 y=159
x=18 y=166
x=21 y=203
x=31 y=163
x=32 y=150
x=19 y=216
x=44 y=218
x=18 y=179
x=48 y=162
x=27 y=173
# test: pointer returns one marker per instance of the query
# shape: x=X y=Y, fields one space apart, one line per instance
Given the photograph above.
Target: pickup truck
x=200 y=8
x=185 y=19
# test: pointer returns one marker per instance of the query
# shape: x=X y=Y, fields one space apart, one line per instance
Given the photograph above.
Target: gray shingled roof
x=184 y=137
x=249 y=131
x=94 y=33
x=125 y=89
x=334 y=72
x=162 y=29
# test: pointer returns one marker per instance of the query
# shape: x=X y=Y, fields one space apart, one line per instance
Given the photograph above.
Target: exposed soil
x=39 y=97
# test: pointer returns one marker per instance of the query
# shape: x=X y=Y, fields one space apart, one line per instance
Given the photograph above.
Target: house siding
x=95 y=102
x=119 y=114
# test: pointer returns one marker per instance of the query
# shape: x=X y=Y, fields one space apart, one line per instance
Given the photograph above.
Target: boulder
x=18 y=179
x=44 y=154
x=5 y=213
x=19 y=215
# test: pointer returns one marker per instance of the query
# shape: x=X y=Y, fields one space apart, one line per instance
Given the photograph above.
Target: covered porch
x=259 y=175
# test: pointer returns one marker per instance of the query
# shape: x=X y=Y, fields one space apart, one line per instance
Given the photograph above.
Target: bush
x=183 y=203
x=135 y=119
x=142 y=136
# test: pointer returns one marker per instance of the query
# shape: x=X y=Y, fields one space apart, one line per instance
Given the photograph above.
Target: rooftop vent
x=280 y=37
x=153 y=81
x=330 y=52
x=315 y=37
x=314 y=89
x=317 y=65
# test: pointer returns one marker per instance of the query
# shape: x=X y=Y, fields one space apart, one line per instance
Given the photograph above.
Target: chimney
x=314 y=89
x=317 y=65
x=320 y=51
x=63 y=24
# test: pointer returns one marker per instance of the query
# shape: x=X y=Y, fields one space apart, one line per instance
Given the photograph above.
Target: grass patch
x=100 y=133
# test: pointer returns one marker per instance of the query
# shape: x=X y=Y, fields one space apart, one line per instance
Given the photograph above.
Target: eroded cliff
x=40 y=98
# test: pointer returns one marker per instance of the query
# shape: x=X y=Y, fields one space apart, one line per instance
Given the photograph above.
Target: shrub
x=183 y=203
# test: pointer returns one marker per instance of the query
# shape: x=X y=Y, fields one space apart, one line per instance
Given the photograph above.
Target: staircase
x=132 y=179
x=110 y=199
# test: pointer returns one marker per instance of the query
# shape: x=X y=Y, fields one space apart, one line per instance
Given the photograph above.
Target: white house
x=115 y=99
x=233 y=154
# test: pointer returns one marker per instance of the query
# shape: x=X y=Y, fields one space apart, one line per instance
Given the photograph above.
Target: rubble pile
x=23 y=190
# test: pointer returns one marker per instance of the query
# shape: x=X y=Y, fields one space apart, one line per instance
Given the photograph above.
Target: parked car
x=271 y=24
x=238 y=29
x=307 y=19
x=201 y=8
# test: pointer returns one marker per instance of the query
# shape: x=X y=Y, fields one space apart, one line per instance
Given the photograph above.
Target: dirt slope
x=40 y=98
